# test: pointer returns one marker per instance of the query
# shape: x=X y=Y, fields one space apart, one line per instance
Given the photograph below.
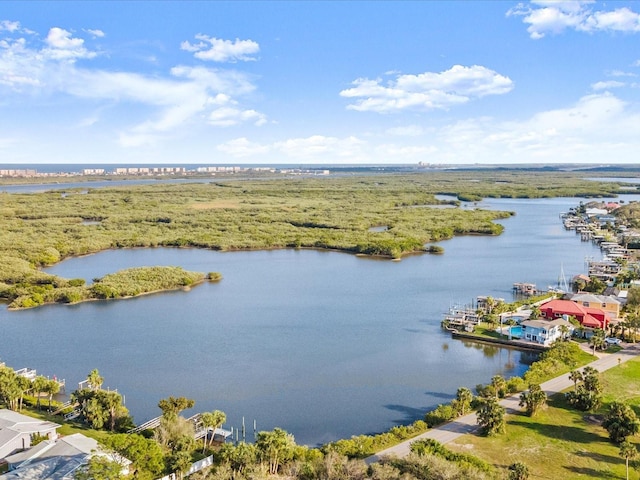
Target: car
x=613 y=341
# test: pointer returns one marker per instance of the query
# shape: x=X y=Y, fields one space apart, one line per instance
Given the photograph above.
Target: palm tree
x=575 y=376
x=597 y=340
x=112 y=402
x=499 y=384
x=491 y=417
x=39 y=386
x=212 y=420
x=535 y=312
x=24 y=384
x=628 y=451
x=52 y=387
x=95 y=380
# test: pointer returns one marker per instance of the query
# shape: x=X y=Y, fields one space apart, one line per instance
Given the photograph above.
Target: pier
x=200 y=430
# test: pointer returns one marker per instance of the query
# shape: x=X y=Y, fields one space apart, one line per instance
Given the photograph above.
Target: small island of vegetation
x=123 y=284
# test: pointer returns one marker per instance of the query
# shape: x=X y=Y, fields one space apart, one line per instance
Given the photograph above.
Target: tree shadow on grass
x=563 y=432
x=598 y=457
x=592 y=472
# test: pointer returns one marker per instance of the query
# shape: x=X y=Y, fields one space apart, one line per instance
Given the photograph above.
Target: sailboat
x=563 y=286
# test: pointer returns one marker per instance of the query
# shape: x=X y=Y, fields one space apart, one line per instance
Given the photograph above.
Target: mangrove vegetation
x=342 y=213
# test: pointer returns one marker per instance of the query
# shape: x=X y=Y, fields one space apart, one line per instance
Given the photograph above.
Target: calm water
x=325 y=345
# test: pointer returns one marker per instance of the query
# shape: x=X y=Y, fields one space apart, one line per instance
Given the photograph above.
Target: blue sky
x=304 y=82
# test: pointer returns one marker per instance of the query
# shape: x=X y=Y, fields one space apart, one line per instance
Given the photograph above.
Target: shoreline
x=516 y=344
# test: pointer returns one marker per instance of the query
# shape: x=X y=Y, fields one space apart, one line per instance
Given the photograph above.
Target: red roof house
x=587 y=316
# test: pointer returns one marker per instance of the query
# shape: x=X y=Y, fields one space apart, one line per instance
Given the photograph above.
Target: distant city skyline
x=319 y=82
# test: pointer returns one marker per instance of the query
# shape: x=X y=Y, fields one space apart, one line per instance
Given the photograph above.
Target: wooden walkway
x=200 y=429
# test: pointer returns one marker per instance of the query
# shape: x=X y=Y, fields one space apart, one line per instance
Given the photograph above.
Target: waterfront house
x=545 y=332
x=588 y=317
x=609 y=304
x=57 y=460
x=17 y=430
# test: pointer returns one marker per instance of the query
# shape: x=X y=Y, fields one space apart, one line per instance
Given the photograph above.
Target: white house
x=57 y=460
x=16 y=431
x=545 y=332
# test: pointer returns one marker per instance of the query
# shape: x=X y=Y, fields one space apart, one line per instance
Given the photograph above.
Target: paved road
x=460 y=426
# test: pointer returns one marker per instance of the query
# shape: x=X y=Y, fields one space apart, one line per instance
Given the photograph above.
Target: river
x=323 y=344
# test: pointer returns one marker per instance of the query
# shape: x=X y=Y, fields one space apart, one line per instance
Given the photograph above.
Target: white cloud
x=229 y=116
x=95 y=33
x=62 y=46
x=427 y=91
x=597 y=128
x=6 y=25
x=405 y=153
x=241 y=147
x=218 y=50
x=318 y=148
x=620 y=73
x=607 y=85
x=185 y=97
x=319 y=145
x=554 y=17
x=406 y=131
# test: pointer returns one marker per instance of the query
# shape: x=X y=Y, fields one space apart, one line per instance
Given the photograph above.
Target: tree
x=145 y=453
x=275 y=447
x=535 y=312
x=588 y=395
x=240 y=457
x=112 y=402
x=212 y=420
x=575 y=376
x=499 y=385
x=94 y=379
x=99 y=468
x=518 y=471
x=173 y=433
x=491 y=417
x=100 y=408
x=462 y=403
x=24 y=384
x=180 y=462
x=533 y=399
x=51 y=388
x=10 y=389
x=628 y=451
x=172 y=406
x=39 y=386
x=597 y=340
x=621 y=422
x=633 y=297
x=591 y=379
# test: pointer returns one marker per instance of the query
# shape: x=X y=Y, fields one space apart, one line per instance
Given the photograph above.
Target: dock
x=219 y=434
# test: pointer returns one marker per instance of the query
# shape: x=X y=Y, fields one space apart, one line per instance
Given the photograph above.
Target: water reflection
x=318 y=343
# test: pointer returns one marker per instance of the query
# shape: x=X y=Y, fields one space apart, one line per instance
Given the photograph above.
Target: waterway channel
x=323 y=344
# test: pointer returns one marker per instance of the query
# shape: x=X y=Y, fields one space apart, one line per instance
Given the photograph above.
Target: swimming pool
x=516 y=330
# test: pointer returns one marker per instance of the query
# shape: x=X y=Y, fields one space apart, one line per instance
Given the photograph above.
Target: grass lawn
x=562 y=443
x=68 y=428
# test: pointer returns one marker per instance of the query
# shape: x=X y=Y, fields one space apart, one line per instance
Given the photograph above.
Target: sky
x=320 y=82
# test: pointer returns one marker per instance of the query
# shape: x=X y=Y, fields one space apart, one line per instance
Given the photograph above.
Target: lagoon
x=323 y=344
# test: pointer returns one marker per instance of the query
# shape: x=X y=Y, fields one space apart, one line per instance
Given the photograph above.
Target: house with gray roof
x=57 y=460
x=17 y=430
